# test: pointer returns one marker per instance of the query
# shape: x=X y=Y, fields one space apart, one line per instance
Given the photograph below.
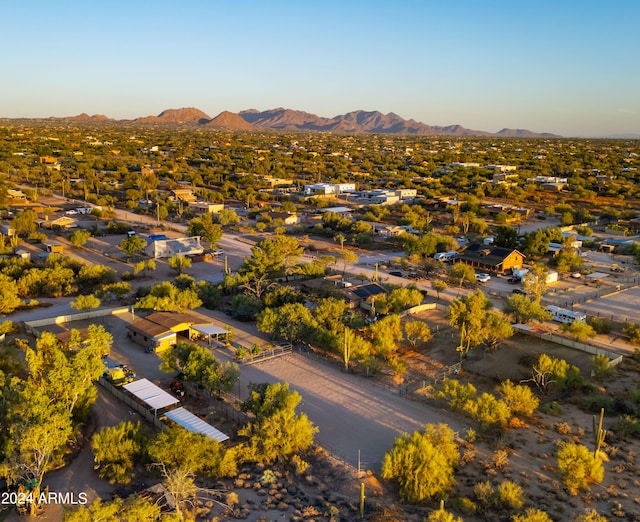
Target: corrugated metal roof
x=195 y=424
x=151 y=394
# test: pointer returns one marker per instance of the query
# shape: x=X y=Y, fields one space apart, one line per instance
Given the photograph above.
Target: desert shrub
x=595 y=403
x=485 y=494
x=501 y=458
x=590 y=515
x=487 y=410
x=532 y=515
x=456 y=394
x=510 y=495
x=519 y=398
x=620 y=406
x=463 y=505
x=562 y=428
x=551 y=408
x=600 y=325
x=578 y=467
x=633 y=331
x=471 y=435
x=600 y=366
x=626 y=426
x=37 y=237
x=423 y=463
x=442 y=515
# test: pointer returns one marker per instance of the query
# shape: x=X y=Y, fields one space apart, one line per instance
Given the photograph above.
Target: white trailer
x=562 y=315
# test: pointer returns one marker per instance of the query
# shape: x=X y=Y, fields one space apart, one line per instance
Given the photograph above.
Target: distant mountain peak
x=281 y=119
x=184 y=115
x=230 y=120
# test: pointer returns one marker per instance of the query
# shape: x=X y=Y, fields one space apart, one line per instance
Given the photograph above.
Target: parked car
x=513 y=280
x=396 y=273
x=576 y=275
x=482 y=277
x=518 y=291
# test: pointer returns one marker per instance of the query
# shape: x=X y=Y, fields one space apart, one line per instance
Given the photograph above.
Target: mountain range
x=280 y=119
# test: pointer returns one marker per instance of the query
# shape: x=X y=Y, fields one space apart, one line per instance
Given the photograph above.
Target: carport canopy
x=210 y=330
x=195 y=424
x=150 y=394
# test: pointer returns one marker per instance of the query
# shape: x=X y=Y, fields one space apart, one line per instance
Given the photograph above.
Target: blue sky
x=563 y=66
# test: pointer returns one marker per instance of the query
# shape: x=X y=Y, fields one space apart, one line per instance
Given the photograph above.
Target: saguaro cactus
x=598 y=433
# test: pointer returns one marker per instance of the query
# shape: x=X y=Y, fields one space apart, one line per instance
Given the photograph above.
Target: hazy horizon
x=566 y=68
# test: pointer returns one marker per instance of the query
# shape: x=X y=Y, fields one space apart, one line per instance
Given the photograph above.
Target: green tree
x=270 y=259
x=117 y=449
x=133 y=508
x=579 y=330
x=79 y=237
x=348 y=257
x=477 y=322
x=204 y=227
x=417 y=331
x=550 y=371
x=524 y=309
x=179 y=263
x=9 y=298
x=329 y=314
x=277 y=433
x=536 y=243
x=423 y=463
x=385 y=335
x=290 y=321
x=535 y=281
x=228 y=216
x=85 y=303
x=578 y=467
x=398 y=300
x=168 y=297
x=439 y=286
x=198 y=455
x=505 y=236
x=246 y=307
x=351 y=345
x=59 y=387
x=458 y=273
x=131 y=245
x=24 y=222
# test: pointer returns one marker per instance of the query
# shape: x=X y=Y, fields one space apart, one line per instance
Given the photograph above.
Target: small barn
x=492 y=259
x=150 y=335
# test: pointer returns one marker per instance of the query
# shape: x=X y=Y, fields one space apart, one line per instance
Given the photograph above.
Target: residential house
x=205 y=207
x=363 y=296
x=162 y=248
x=286 y=217
x=184 y=194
